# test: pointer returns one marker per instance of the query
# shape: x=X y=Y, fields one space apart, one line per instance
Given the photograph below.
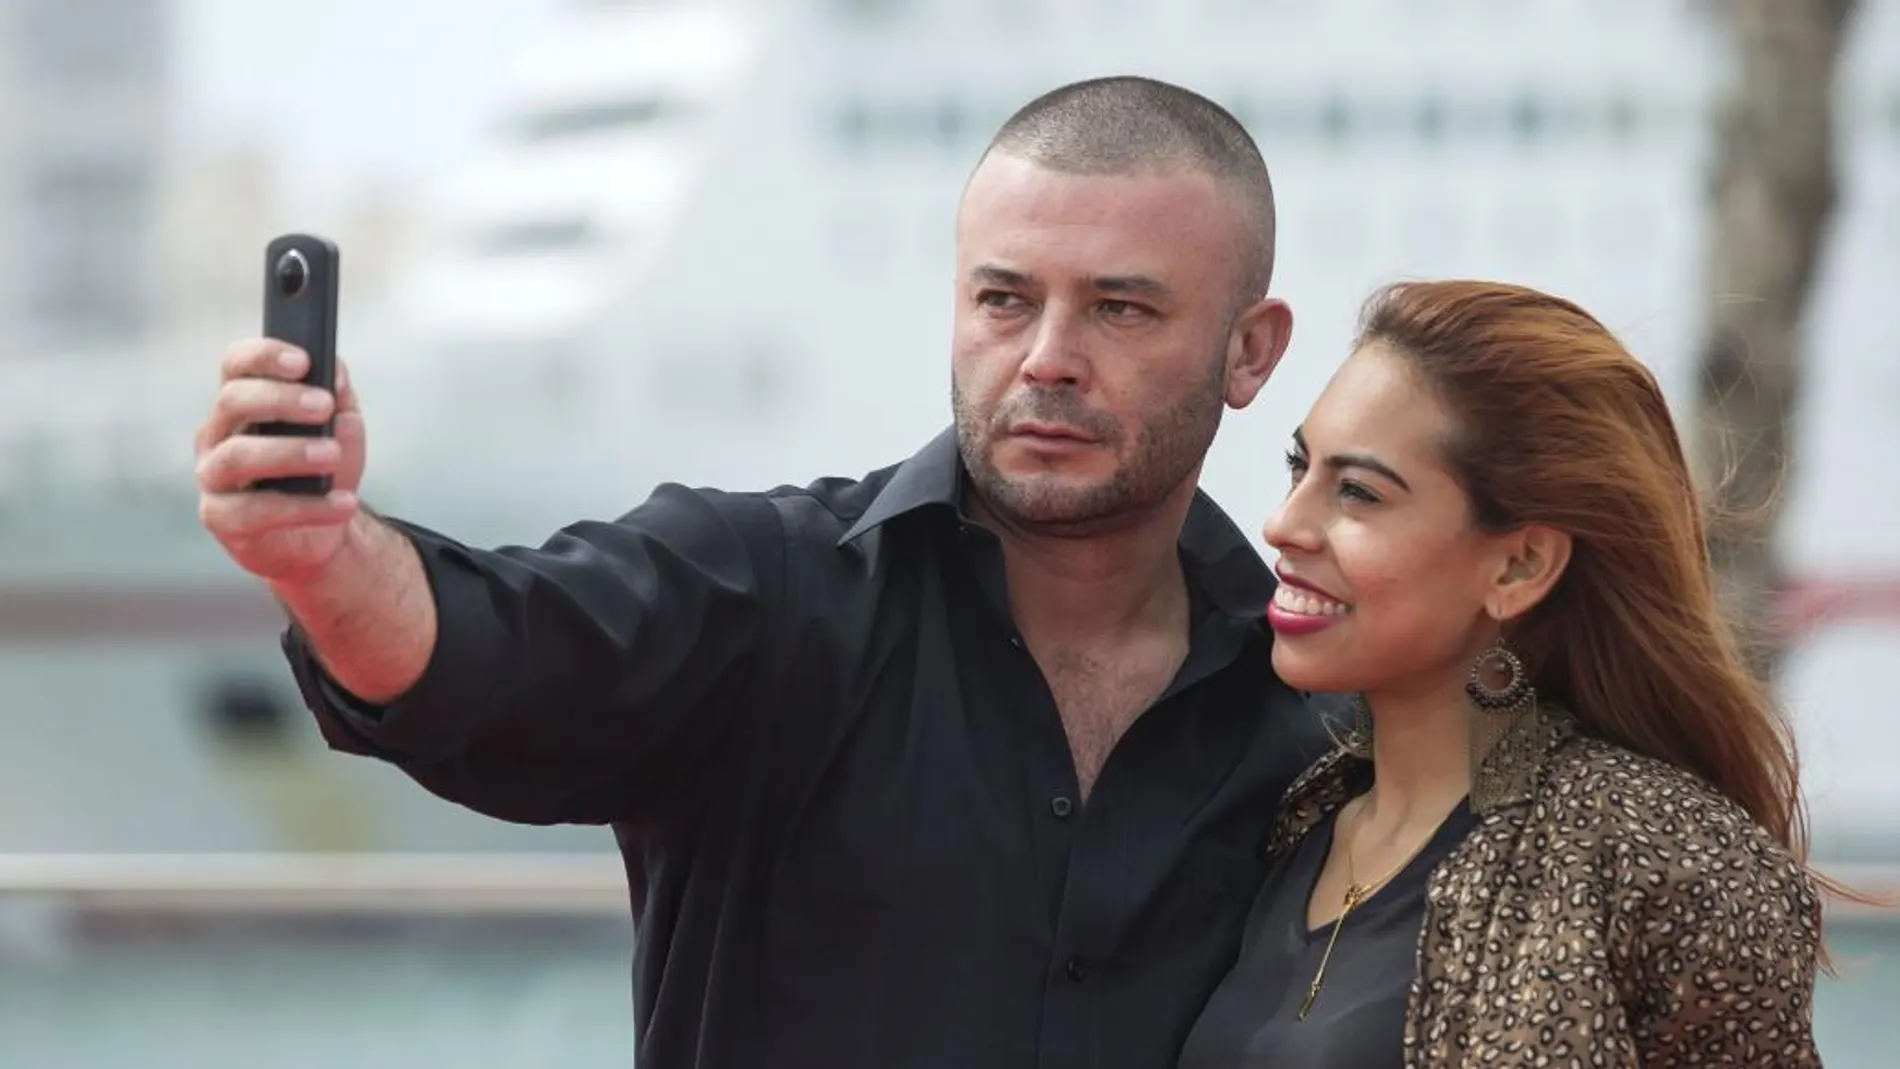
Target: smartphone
x=300 y=302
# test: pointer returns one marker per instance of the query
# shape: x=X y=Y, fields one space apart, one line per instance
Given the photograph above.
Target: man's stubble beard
x=1169 y=451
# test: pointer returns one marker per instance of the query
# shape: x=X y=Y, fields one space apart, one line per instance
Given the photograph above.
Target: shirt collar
x=1219 y=559
x=933 y=476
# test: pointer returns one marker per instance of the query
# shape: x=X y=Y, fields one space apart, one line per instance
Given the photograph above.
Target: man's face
x=1100 y=330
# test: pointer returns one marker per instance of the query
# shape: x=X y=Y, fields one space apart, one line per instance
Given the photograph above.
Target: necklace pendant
x=1306 y=1004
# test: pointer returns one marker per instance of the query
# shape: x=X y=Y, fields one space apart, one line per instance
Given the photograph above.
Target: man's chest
x=943 y=847
x=1098 y=692
x=924 y=837
x=953 y=787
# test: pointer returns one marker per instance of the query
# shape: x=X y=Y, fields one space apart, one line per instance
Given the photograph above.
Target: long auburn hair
x=1559 y=425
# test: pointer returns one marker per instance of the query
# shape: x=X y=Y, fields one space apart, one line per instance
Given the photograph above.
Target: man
x=965 y=763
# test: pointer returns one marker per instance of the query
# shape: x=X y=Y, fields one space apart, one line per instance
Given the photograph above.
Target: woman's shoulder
x=1710 y=919
x=1659 y=825
x=1314 y=793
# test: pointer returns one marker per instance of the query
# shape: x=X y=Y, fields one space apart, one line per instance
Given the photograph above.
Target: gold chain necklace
x=1356 y=894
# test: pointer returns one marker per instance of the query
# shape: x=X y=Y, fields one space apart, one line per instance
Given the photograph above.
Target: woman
x=1565 y=828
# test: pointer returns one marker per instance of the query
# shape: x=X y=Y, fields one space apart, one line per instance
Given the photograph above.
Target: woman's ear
x=1534 y=558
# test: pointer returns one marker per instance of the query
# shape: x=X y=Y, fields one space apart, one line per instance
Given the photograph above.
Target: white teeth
x=1293 y=599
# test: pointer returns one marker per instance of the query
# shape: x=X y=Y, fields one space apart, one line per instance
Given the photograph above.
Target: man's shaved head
x=1129 y=125
x=1114 y=248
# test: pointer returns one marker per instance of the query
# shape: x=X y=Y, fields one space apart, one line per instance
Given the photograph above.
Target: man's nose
x=1055 y=356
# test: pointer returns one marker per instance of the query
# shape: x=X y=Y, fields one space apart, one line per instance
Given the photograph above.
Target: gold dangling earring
x=1359 y=743
x=1355 y=735
x=1502 y=698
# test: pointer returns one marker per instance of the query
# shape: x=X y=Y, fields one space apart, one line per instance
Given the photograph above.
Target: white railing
x=588 y=885
x=583 y=885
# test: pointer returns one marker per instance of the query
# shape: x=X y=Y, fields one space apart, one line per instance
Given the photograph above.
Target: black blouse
x=1358 y=1021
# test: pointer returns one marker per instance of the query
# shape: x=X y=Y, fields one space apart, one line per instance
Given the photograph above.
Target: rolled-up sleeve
x=577 y=682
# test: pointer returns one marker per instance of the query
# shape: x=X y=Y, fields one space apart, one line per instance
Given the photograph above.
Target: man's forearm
x=370 y=617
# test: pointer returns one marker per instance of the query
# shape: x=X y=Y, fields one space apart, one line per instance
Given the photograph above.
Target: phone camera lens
x=293 y=273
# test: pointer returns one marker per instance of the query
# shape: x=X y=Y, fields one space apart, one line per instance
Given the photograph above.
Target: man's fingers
x=264 y=358
x=236 y=463
x=345 y=390
x=247 y=514
x=260 y=384
x=243 y=402
x=352 y=441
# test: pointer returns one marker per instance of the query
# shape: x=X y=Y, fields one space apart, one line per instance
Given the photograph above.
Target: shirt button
x=1061 y=807
x=1076 y=970
x=1016 y=641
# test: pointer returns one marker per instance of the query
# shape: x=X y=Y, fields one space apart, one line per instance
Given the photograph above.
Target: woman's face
x=1386 y=581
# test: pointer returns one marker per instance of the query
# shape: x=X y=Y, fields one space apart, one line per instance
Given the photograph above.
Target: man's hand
x=285 y=539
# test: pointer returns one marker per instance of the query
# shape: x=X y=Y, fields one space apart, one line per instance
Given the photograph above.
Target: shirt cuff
x=458 y=689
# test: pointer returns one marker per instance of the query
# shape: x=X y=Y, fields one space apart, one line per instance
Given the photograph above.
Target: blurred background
x=591 y=245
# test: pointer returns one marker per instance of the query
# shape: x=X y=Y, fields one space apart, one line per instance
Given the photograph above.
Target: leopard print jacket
x=1607 y=910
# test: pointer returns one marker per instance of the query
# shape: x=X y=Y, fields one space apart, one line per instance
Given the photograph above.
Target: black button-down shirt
x=844 y=796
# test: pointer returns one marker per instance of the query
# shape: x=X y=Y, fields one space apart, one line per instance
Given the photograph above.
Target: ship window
x=951 y=123
x=593 y=118
x=1430 y=118
x=1527 y=117
x=1622 y=118
x=854 y=123
x=1336 y=119
x=868 y=10
x=1278 y=119
x=947 y=123
x=538 y=236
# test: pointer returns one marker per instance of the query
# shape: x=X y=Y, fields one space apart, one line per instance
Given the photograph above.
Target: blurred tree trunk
x=1770 y=201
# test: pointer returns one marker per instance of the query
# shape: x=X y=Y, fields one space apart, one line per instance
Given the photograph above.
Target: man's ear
x=1254 y=348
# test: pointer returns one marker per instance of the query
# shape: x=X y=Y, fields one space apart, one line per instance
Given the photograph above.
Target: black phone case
x=305 y=316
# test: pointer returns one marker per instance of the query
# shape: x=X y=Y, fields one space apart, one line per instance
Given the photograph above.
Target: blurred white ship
x=711 y=243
